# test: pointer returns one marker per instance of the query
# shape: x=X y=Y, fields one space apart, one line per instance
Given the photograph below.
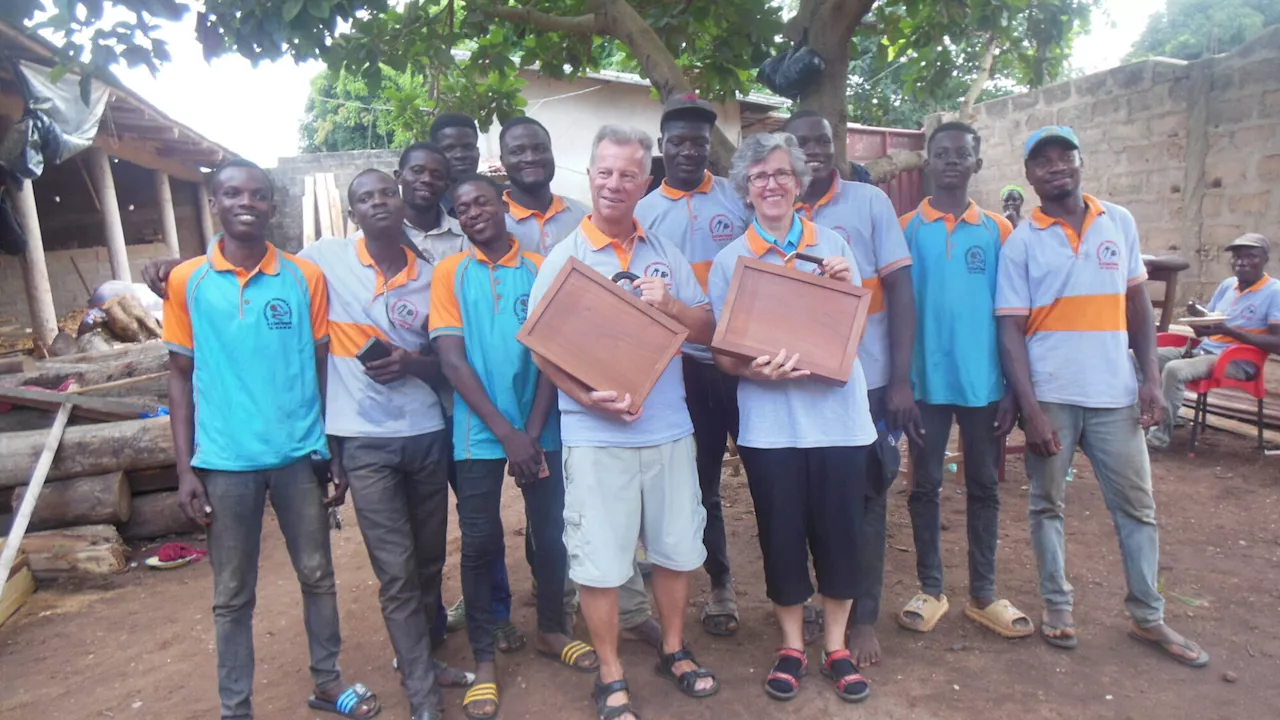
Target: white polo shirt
x=864 y=216
x=665 y=417
x=1252 y=310
x=1072 y=290
x=364 y=305
x=538 y=232
x=700 y=222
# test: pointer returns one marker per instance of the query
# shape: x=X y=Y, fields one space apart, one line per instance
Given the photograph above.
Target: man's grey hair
x=755 y=148
x=622 y=135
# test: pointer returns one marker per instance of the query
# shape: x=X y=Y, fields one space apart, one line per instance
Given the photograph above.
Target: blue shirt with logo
x=957 y=357
x=486 y=303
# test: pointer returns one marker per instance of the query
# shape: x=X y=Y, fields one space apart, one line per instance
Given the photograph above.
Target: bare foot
x=863 y=645
x=647 y=632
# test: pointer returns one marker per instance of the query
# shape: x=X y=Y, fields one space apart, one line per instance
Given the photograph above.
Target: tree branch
x=578 y=25
x=979 y=82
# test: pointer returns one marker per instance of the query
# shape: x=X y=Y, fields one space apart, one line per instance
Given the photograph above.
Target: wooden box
x=771 y=307
x=601 y=335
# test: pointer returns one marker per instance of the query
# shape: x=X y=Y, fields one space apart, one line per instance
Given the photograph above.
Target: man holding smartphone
x=386 y=422
x=255 y=430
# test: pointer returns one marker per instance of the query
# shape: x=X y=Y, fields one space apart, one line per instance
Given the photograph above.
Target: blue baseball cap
x=1050 y=132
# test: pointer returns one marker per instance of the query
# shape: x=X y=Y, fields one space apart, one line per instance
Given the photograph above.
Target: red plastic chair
x=1257 y=387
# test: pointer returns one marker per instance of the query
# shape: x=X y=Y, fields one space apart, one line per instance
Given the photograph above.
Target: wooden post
x=206 y=215
x=112 y=225
x=44 y=319
x=168 y=221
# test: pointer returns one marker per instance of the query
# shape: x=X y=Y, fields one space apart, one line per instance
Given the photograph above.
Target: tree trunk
x=828 y=26
x=97 y=499
x=142 y=482
x=88 y=450
x=95 y=368
x=91 y=549
x=884 y=169
x=979 y=82
x=156 y=515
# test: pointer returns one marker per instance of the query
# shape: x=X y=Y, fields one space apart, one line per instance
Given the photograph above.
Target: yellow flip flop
x=929 y=609
x=999 y=617
x=477 y=693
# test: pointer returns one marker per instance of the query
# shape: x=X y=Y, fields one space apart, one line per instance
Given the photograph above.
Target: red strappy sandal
x=851 y=686
x=783 y=682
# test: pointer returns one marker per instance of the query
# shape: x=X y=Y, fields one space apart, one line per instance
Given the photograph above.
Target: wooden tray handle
x=807 y=258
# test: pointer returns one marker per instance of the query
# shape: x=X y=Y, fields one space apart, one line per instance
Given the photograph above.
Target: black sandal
x=600 y=693
x=783 y=682
x=851 y=685
x=687 y=681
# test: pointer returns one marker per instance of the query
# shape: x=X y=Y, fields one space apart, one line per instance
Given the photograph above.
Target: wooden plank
x=335 y=206
x=23 y=516
x=308 y=210
x=91 y=549
x=17 y=590
x=322 y=205
x=117 y=384
x=1235 y=427
x=21 y=364
x=95 y=408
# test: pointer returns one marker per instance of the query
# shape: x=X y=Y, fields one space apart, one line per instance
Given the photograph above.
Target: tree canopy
x=678 y=45
x=1192 y=29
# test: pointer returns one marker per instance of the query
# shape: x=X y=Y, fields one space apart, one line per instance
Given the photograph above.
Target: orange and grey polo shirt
x=700 y=222
x=1252 y=310
x=363 y=305
x=864 y=216
x=538 y=232
x=1072 y=290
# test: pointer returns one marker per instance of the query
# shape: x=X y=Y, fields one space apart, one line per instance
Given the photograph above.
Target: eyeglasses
x=761 y=179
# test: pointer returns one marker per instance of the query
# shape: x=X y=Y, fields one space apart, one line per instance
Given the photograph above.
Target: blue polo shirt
x=252 y=335
x=486 y=303
x=954 y=264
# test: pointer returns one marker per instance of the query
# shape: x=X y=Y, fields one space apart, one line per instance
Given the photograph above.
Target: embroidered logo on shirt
x=1249 y=312
x=404 y=314
x=278 y=314
x=522 y=308
x=975 y=260
x=1109 y=256
x=721 y=228
x=844 y=234
x=659 y=269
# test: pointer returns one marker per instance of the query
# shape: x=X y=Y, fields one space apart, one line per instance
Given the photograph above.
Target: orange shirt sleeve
x=318 y=294
x=177 y=333
x=1006 y=227
x=445 y=317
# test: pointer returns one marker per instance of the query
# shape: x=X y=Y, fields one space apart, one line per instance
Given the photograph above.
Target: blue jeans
x=235 y=535
x=981 y=450
x=1113 y=442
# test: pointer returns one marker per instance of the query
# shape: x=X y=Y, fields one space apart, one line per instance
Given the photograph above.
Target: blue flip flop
x=347 y=703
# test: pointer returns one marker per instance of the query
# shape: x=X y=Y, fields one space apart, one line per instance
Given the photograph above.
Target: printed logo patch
x=1249 y=312
x=278 y=314
x=658 y=269
x=721 y=227
x=522 y=308
x=404 y=314
x=975 y=260
x=1109 y=256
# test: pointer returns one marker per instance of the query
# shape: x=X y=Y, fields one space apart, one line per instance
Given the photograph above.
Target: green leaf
x=292 y=8
x=318 y=9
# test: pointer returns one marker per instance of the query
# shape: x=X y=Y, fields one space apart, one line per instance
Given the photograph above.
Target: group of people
x=392 y=358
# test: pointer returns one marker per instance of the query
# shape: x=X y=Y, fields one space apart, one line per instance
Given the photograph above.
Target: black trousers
x=712 y=398
x=808 y=500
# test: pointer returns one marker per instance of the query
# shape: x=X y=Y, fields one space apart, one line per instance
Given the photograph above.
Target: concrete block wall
x=66 y=267
x=286 y=228
x=1192 y=149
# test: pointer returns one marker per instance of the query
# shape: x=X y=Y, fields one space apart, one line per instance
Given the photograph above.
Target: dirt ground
x=140 y=645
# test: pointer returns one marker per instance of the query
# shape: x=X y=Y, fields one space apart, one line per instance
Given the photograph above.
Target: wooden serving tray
x=600 y=335
x=771 y=307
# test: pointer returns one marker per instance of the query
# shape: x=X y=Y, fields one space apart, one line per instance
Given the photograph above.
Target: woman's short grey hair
x=622 y=135
x=755 y=148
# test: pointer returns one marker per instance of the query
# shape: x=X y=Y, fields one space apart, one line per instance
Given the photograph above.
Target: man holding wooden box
x=631 y=472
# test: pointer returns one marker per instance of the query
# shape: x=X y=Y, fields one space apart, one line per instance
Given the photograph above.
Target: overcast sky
x=256 y=111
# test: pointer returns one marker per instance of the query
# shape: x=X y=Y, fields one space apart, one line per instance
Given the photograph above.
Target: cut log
x=20 y=364
x=156 y=515
x=88 y=450
x=95 y=368
x=94 y=408
x=142 y=482
x=17 y=589
x=97 y=499
x=91 y=549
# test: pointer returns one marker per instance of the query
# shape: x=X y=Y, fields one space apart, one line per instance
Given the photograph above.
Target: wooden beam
x=112 y=224
x=335 y=207
x=206 y=213
x=308 y=210
x=211 y=155
x=35 y=273
x=143 y=154
x=88 y=406
x=322 y=203
x=168 y=220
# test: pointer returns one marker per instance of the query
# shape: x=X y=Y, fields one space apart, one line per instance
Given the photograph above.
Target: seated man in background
x=1250 y=300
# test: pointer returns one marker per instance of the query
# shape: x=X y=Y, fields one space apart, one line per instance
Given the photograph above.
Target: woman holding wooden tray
x=803 y=441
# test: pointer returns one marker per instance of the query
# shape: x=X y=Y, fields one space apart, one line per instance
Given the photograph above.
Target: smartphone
x=373 y=351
